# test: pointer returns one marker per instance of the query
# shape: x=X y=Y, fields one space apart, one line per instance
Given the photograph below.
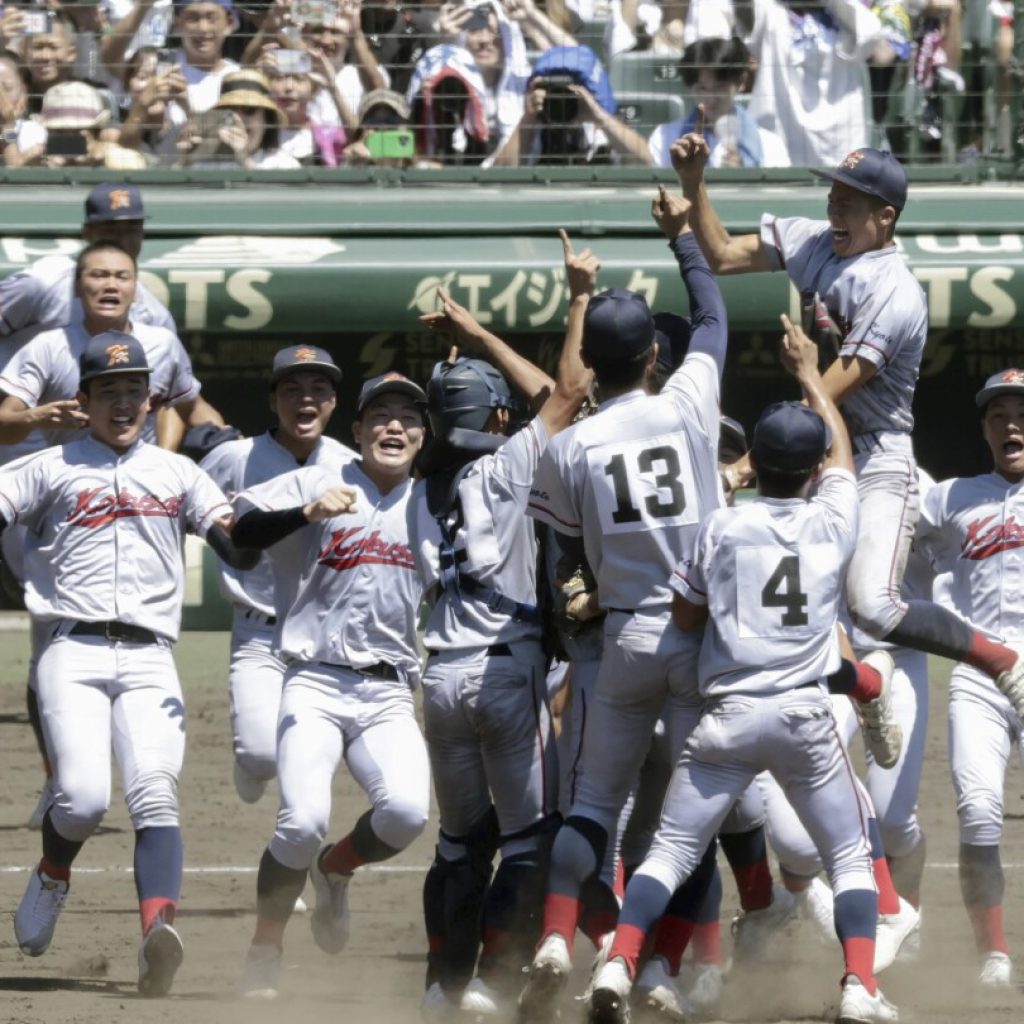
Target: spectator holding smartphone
x=137 y=24
x=203 y=27
x=20 y=132
x=385 y=138
x=47 y=51
x=152 y=86
x=289 y=75
x=256 y=142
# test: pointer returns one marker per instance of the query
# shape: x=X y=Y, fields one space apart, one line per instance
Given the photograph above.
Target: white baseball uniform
x=881 y=312
x=107 y=534
x=256 y=674
x=346 y=597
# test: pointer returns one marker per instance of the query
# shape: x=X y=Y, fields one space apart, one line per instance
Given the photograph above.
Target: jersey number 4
x=668 y=499
x=783 y=591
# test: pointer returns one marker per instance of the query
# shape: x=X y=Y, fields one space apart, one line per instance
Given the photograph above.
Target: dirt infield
x=89 y=974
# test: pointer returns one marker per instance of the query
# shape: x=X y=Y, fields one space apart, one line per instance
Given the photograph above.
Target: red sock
x=869 y=683
x=888 y=898
x=496 y=943
x=341 y=858
x=61 y=872
x=987 y=922
x=990 y=657
x=707 y=942
x=671 y=937
x=561 y=916
x=859 y=959
x=157 y=907
x=754 y=882
x=596 y=924
x=628 y=942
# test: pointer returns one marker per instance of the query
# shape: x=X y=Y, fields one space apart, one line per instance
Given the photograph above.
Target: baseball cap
x=789 y=438
x=303 y=357
x=672 y=332
x=874 y=172
x=617 y=327
x=228 y=6
x=732 y=434
x=386 y=99
x=111 y=352
x=1006 y=382
x=71 y=105
x=113 y=202
x=388 y=384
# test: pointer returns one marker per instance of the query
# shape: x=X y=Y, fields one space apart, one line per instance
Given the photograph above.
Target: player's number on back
x=783 y=591
x=669 y=500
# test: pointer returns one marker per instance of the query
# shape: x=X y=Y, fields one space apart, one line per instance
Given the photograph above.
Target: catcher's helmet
x=463 y=393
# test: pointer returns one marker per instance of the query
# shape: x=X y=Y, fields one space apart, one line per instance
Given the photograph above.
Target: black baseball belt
x=118 y=632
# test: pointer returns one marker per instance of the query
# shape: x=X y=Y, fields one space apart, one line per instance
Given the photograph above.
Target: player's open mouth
x=110 y=301
x=840 y=235
x=305 y=419
x=1013 y=447
x=393 y=445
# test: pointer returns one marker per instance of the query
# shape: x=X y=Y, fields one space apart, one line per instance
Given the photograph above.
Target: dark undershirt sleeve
x=259 y=529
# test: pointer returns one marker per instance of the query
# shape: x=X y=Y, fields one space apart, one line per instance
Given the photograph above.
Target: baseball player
x=346 y=596
x=107 y=515
x=852 y=263
x=303 y=398
x=767 y=577
x=485 y=703
x=973 y=527
x=634 y=481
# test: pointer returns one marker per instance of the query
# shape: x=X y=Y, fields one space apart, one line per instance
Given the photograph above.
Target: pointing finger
x=566 y=243
x=699 y=126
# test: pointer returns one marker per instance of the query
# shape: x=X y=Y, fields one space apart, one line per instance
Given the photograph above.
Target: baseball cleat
x=261 y=975
x=657 y=992
x=301 y=907
x=160 y=956
x=892 y=931
x=753 y=928
x=479 y=1001
x=858 y=1006
x=548 y=974
x=1011 y=685
x=43 y=804
x=704 y=994
x=600 y=959
x=37 y=913
x=436 y=1006
x=609 y=1002
x=817 y=906
x=248 y=787
x=330 y=918
x=996 y=971
x=882 y=732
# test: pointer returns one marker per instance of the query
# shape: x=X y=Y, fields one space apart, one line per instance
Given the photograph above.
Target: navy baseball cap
x=388 y=384
x=297 y=358
x=114 y=202
x=1006 y=382
x=789 y=438
x=617 y=327
x=874 y=172
x=732 y=433
x=672 y=332
x=109 y=353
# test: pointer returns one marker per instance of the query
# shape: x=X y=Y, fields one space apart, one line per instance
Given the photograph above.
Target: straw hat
x=249 y=88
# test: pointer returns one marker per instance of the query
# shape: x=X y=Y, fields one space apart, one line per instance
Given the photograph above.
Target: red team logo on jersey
x=94 y=510
x=347 y=549
x=983 y=541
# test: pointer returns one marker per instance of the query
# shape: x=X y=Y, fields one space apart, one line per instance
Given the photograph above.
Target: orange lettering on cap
x=117 y=354
x=851 y=160
x=120 y=199
x=305 y=355
x=1013 y=377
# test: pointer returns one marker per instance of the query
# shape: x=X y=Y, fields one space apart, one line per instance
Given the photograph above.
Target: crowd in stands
x=127 y=84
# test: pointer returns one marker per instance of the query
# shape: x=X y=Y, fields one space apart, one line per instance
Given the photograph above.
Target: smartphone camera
x=37 y=23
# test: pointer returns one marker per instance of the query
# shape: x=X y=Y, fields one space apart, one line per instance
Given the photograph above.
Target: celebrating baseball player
x=851 y=266
x=107 y=516
x=767 y=578
x=634 y=481
x=973 y=527
x=346 y=597
x=302 y=397
x=485 y=702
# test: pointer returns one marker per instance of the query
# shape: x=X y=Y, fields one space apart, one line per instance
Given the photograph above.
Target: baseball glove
x=819 y=326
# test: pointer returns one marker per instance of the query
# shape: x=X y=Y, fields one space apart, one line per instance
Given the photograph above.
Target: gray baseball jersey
x=346 y=589
x=771 y=575
x=108 y=529
x=238 y=465
x=635 y=481
x=46 y=370
x=878 y=306
x=495 y=544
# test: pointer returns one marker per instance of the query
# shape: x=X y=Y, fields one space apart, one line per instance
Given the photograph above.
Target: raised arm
x=742 y=254
x=17 y=420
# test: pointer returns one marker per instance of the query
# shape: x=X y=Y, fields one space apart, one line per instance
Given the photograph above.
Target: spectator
x=203 y=26
x=49 y=58
x=398 y=35
x=151 y=86
x=384 y=137
x=136 y=24
x=73 y=115
x=470 y=94
x=258 y=145
x=20 y=132
x=290 y=76
x=569 y=117
x=811 y=61
x=713 y=72
x=667 y=28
